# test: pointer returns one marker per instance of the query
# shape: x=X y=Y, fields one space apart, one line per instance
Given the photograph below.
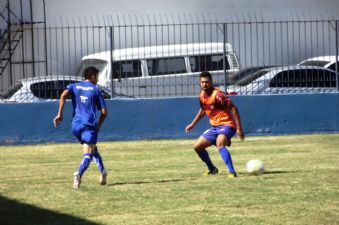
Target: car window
x=208 y=63
x=54 y=89
x=164 y=66
x=127 y=69
x=50 y=89
x=304 y=78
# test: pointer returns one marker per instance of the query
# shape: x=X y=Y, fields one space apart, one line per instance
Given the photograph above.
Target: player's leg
x=84 y=164
x=203 y=142
x=98 y=160
x=87 y=157
x=223 y=140
x=88 y=138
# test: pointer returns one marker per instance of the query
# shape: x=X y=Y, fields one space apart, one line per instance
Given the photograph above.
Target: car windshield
x=320 y=63
x=248 y=79
x=240 y=76
x=101 y=65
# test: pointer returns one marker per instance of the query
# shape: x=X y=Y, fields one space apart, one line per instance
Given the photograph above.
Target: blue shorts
x=85 y=134
x=212 y=133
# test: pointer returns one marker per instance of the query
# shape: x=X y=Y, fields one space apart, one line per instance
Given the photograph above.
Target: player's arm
x=236 y=114
x=102 y=117
x=58 y=119
x=226 y=102
x=197 y=118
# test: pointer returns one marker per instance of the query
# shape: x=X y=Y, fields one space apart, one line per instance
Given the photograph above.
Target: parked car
x=287 y=79
x=328 y=61
x=47 y=88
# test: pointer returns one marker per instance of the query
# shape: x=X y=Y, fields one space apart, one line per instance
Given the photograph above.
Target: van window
x=208 y=63
x=304 y=78
x=163 y=66
x=127 y=69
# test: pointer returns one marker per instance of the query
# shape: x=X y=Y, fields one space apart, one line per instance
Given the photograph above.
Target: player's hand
x=241 y=134
x=57 y=120
x=189 y=128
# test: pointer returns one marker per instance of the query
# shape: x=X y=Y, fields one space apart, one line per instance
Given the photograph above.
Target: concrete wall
x=166 y=118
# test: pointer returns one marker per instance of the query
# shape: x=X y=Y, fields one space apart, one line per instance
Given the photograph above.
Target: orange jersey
x=218 y=112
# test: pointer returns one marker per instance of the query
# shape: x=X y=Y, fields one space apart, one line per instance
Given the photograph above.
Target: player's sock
x=86 y=160
x=204 y=156
x=98 y=160
x=226 y=156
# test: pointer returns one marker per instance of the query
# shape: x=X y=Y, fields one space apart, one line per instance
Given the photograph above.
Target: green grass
x=161 y=182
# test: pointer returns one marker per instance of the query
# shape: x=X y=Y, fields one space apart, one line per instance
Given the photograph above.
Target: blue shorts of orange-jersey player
x=212 y=133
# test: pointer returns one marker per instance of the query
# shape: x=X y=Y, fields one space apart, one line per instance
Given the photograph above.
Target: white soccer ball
x=255 y=167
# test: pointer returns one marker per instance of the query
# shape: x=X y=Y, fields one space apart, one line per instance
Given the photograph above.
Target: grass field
x=161 y=182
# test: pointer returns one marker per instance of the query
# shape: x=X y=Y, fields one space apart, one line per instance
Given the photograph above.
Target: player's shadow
x=13 y=212
x=147 y=182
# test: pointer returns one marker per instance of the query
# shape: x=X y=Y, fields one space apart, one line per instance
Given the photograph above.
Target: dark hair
x=90 y=71
x=206 y=74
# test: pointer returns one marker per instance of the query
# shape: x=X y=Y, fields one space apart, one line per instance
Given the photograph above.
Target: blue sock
x=226 y=156
x=86 y=160
x=203 y=154
x=98 y=160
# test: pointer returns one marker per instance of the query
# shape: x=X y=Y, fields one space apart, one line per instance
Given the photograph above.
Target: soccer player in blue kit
x=86 y=99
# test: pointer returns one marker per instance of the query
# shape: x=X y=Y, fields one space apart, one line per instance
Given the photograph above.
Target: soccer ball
x=255 y=167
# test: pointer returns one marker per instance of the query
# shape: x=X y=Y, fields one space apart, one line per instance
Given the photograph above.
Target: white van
x=158 y=71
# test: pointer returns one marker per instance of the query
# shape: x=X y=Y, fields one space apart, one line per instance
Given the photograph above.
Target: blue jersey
x=86 y=99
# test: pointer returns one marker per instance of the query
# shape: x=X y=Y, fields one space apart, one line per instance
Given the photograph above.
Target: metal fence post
x=111 y=58
x=336 y=52
x=224 y=55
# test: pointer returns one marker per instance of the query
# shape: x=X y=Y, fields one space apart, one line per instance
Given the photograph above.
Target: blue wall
x=134 y=119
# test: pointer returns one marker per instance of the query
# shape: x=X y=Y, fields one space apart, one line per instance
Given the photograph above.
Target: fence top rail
x=218 y=17
x=80 y=26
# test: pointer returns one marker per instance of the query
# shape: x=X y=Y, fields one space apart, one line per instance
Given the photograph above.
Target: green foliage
x=161 y=182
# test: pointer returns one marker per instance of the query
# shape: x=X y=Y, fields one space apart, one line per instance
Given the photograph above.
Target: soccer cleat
x=102 y=178
x=232 y=175
x=211 y=172
x=77 y=180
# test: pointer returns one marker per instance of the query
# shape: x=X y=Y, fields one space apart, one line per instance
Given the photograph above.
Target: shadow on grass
x=13 y=212
x=265 y=173
x=148 y=182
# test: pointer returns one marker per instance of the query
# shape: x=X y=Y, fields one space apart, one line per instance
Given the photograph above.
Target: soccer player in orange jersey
x=225 y=120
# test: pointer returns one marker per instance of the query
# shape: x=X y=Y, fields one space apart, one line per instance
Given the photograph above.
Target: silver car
x=47 y=88
x=287 y=79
